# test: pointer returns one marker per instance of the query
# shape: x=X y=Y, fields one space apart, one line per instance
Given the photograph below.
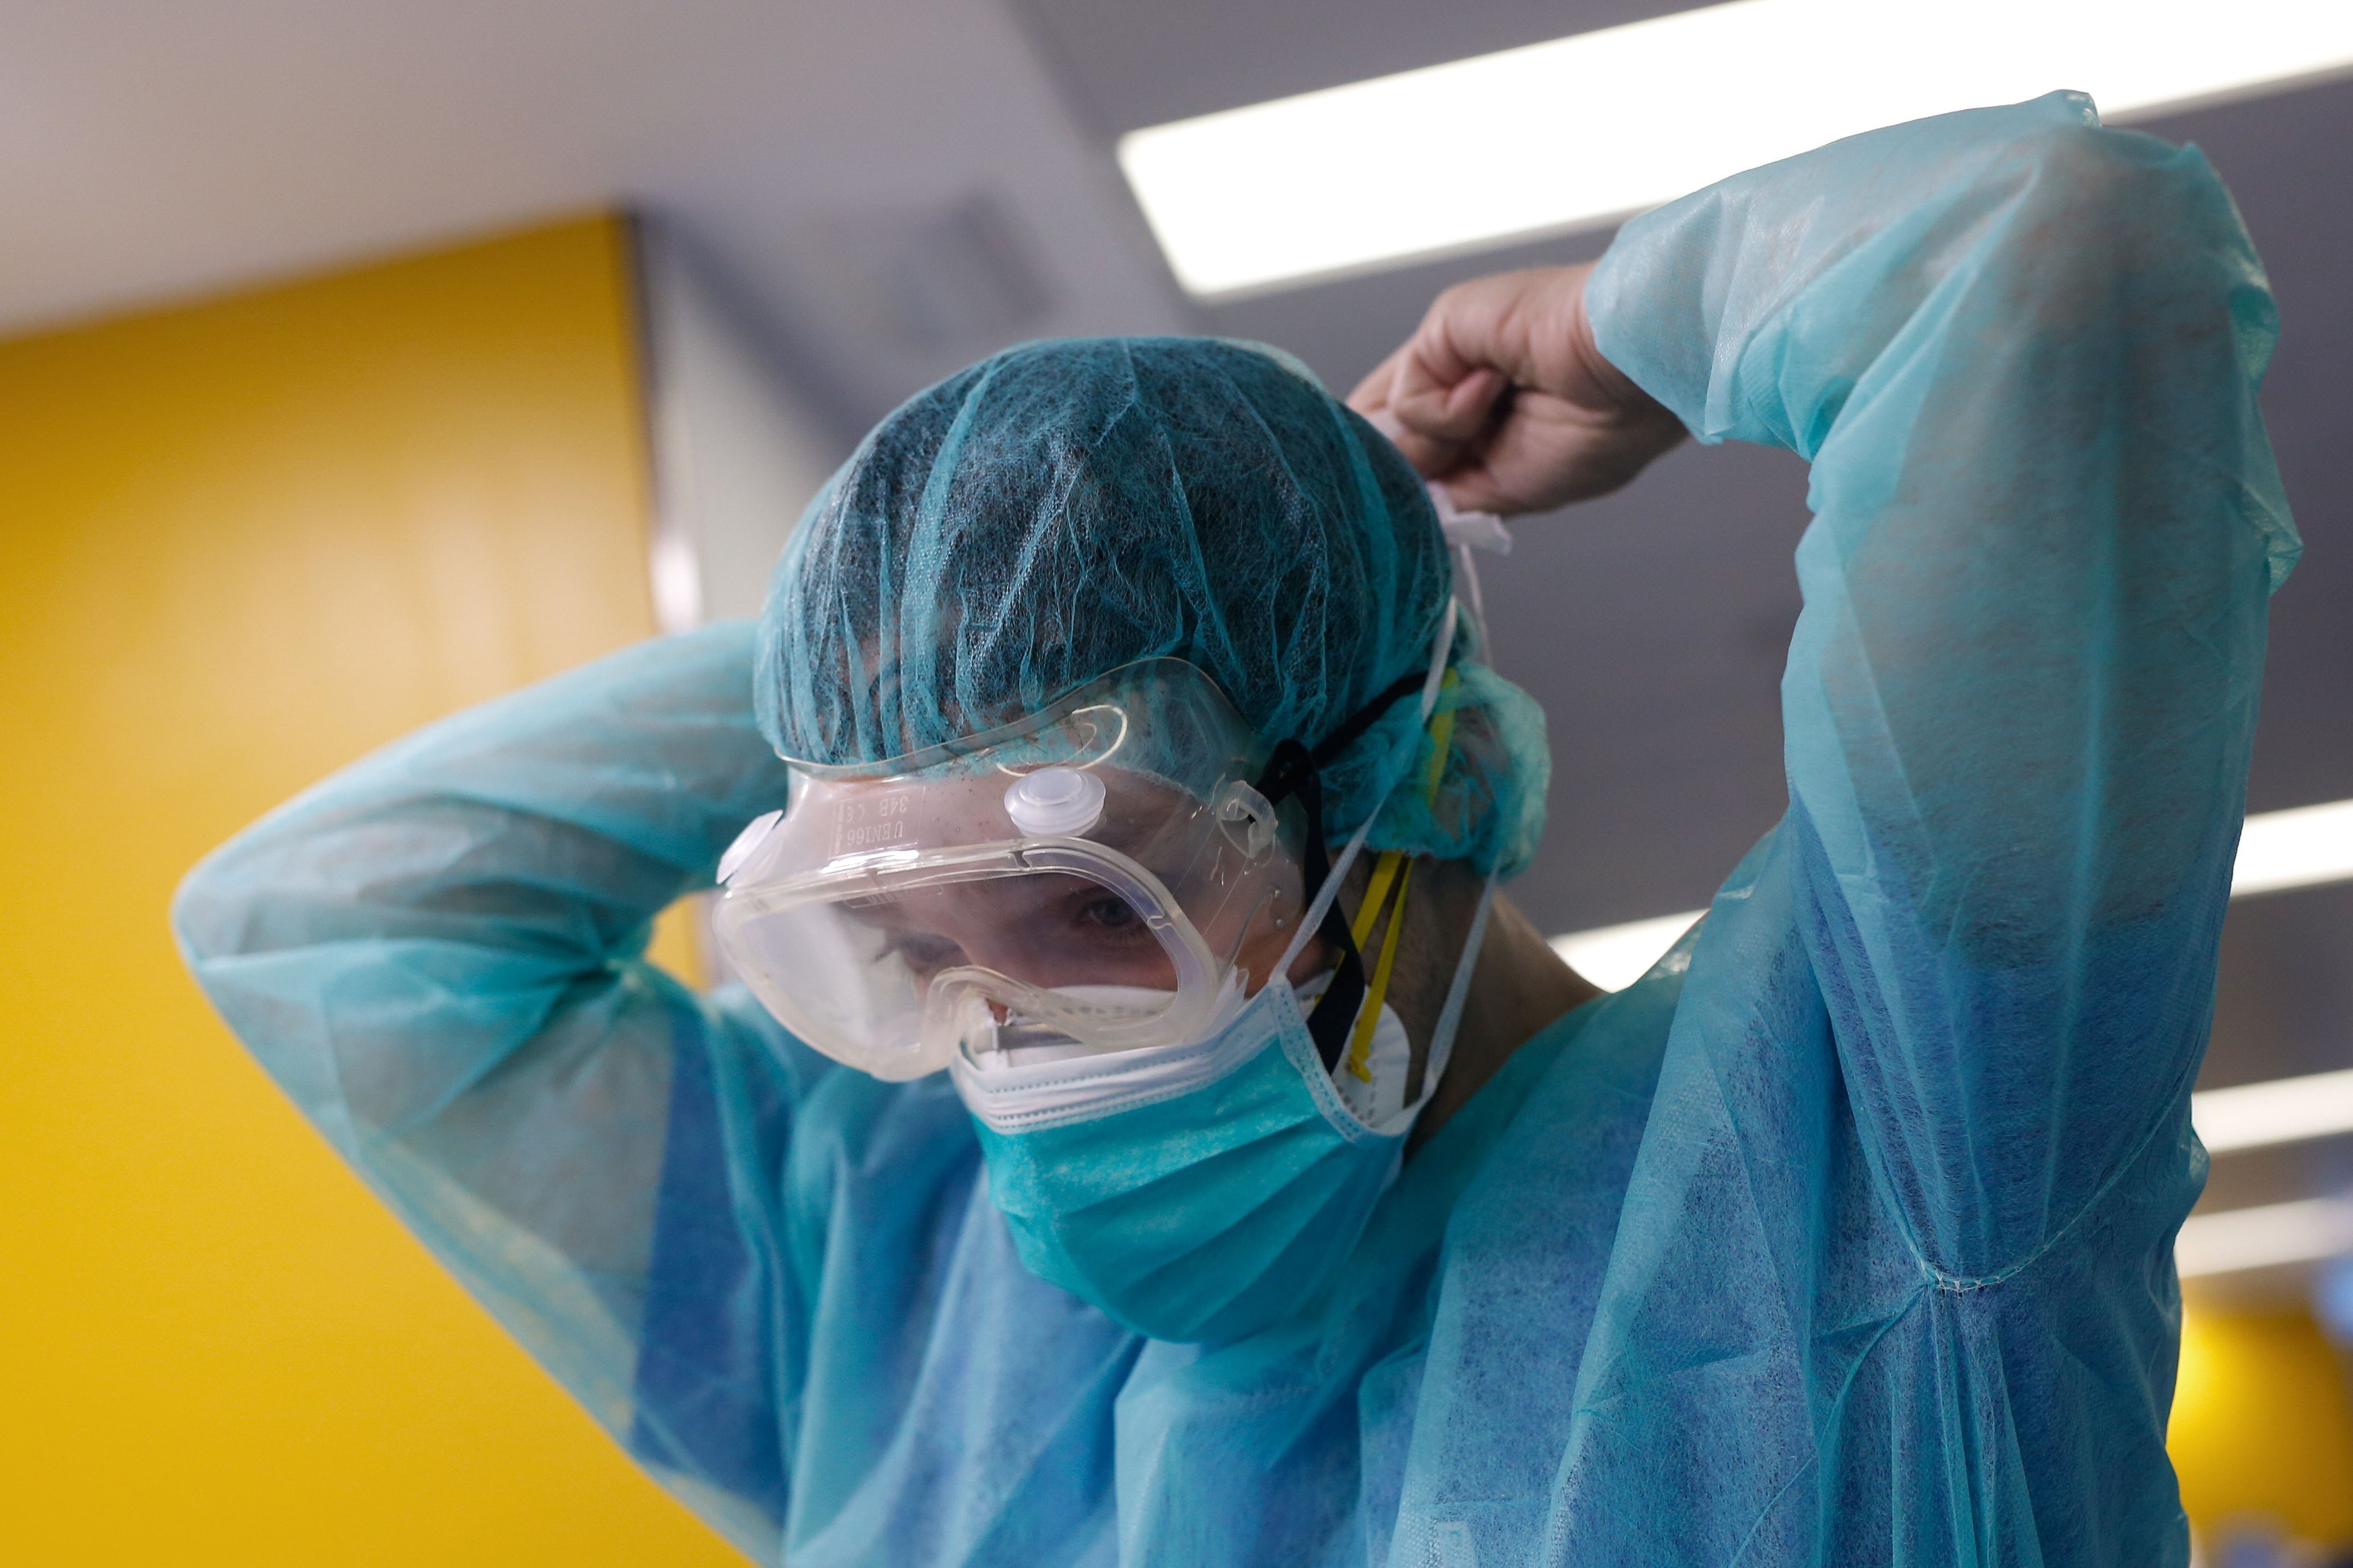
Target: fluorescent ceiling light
x=2294 y=849
x=2285 y=1110
x=1592 y=128
x=1614 y=957
x=2298 y=849
x=2298 y=1232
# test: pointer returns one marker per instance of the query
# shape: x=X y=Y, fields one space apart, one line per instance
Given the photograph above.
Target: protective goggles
x=1119 y=870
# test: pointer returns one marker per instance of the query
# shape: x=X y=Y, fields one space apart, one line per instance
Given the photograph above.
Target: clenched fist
x=1501 y=395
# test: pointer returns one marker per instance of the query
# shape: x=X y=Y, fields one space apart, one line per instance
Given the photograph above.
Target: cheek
x=1314 y=960
x=1261 y=949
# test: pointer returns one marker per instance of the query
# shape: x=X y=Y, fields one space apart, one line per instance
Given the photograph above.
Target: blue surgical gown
x=1843 y=1238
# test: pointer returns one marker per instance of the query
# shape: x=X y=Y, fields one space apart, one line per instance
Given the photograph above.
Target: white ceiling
x=154 y=150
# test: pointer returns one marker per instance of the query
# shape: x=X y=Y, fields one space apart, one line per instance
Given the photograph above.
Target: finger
x=1463 y=414
x=1473 y=397
x=1551 y=452
x=1538 y=459
x=1431 y=459
x=1475 y=489
x=1429 y=456
x=1445 y=431
x=1479 y=339
x=1487 y=323
x=1471 y=347
x=1372 y=394
x=1436 y=393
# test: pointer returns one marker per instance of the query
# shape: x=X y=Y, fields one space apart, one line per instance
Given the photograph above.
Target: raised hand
x=1502 y=395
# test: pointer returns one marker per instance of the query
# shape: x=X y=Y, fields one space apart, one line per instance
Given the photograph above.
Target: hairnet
x=1065 y=508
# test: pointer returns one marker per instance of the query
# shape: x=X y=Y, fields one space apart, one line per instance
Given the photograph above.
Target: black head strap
x=1295 y=769
x=1352 y=729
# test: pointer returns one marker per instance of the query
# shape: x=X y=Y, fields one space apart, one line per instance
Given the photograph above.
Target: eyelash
x=1125 y=918
x=921 y=952
x=917 y=951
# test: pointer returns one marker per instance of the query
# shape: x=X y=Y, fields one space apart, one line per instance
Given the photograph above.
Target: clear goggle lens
x=1104 y=872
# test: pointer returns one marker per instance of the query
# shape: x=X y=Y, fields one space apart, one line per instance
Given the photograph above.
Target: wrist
x=1634 y=403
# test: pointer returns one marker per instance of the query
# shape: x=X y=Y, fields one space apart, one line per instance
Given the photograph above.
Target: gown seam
x=1953 y=1284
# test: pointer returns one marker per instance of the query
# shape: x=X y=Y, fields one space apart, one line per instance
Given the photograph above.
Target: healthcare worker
x=1143 y=1137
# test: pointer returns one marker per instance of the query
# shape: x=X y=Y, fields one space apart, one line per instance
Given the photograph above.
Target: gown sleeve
x=438 y=954
x=2021 y=352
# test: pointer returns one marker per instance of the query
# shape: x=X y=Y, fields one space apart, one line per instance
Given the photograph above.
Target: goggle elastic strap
x=1294 y=769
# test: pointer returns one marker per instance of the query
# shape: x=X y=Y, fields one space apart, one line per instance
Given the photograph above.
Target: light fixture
x=2284 y=1110
x=2296 y=848
x=1614 y=957
x=1587 y=129
x=2301 y=848
x=2299 y=1232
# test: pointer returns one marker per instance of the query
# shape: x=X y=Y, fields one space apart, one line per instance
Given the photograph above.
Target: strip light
x=1614 y=957
x=2262 y=1237
x=2301 y=847
x=2295 y=848
x=1588 y=129
x=2285 y=1110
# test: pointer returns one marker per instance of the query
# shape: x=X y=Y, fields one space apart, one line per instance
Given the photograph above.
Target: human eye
x=1107 y=913
x=922 y=953
x=1106 y=939
x=1108 y=926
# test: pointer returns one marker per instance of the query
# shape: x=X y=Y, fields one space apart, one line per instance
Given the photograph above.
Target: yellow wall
x=2262 y=1425
x=240 y=543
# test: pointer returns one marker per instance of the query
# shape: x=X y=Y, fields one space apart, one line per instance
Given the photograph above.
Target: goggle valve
x=1054 y=802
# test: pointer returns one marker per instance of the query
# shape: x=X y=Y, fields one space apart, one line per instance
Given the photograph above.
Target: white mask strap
x=1467 y=531
x=1450 y=1017
x=1439 y=648
x=1322 y=903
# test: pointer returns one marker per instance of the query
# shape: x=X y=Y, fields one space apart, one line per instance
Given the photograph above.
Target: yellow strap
x=1385 y=869
x=1441 y=742
x=1360 y=1045
x=1376 y=892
